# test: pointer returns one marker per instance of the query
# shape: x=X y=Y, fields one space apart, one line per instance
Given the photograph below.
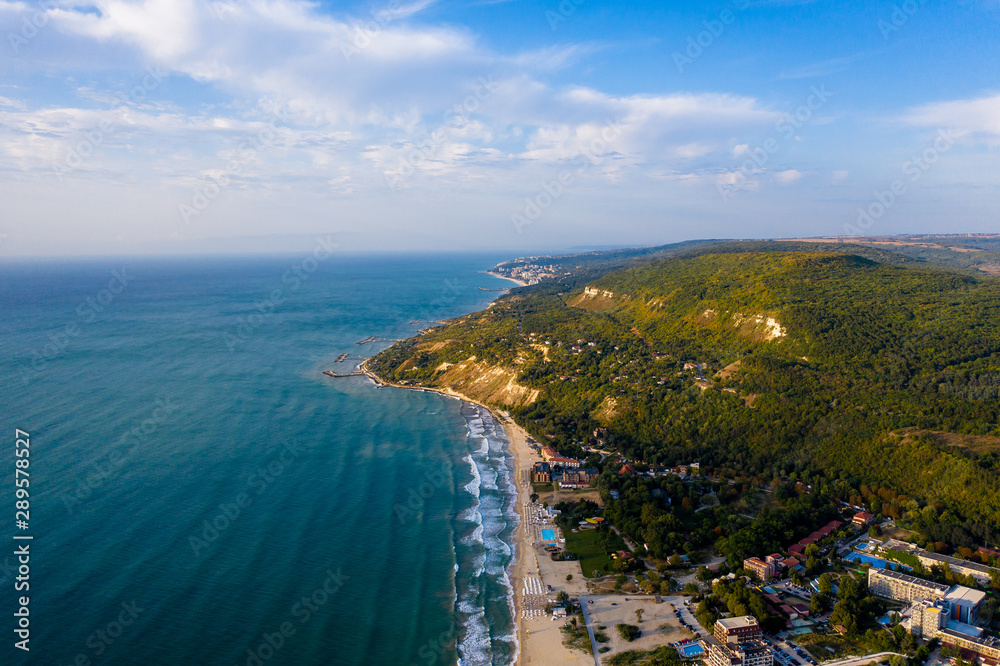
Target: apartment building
x=738 y=629
x=764 y=571
x=740 y=643
x=903 y=587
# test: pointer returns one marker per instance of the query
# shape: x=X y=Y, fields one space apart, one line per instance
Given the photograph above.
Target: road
x=590 y=629
x=868 y=659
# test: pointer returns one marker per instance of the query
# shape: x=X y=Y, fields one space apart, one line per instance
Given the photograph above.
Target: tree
x=534 y=497
x=562 y=597
x=629 y=632
x=569 y=577
x=704 y=574
x=620 y=581
x=638 y=614
x=825 y=584
x=995 y=579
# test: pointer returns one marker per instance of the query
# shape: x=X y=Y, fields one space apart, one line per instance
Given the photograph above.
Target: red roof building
x=835 y=524
x=862 y=518
x=626 y=469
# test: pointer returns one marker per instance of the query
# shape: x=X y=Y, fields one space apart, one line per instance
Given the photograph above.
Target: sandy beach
x=504 y=277
x=539 y=638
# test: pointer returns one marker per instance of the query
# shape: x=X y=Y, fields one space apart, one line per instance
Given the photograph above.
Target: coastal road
x=590 y=629
x=867 y=659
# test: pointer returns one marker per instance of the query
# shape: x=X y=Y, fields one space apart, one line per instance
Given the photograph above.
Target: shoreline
x=504 y=277
x=545 y=644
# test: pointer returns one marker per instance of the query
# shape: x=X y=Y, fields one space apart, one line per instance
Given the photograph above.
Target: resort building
x=980 y=572
x=927 y=618
x=764 y=571
x=565 y=462
x=740 y=643
x=986 y=648
x=577 y=478
x=548 y=453
x=903 y=587
x=738 y=629
x=862 y=519
x=757 y=653
x=965 y=603
x=541 y=473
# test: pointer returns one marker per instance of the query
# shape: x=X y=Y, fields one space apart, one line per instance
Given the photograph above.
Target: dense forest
x=860 y=374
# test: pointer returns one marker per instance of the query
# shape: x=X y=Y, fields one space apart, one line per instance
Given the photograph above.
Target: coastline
x=504 y=277
x=539 y=641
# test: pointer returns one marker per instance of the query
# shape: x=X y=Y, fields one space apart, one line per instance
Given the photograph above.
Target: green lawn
x=589 y=546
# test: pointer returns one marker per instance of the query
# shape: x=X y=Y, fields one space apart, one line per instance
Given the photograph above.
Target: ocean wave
x=485 y=605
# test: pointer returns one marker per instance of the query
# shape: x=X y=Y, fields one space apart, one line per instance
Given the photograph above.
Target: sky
x=179 y=126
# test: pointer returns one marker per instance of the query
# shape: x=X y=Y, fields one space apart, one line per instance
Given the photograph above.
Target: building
x=541 y=473
x=548 y=453
x=740 y=643
x=986 y=648
x=756 y=653
x=577 y=478
x=862 y=519
x=738 y=629
x=980 y=572
x=965 y=603
x=927 y=618
x=903 y=587
x=774 y=558
x=764 y=571
x=565 y=462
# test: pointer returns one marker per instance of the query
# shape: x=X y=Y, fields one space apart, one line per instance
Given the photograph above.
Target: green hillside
x=854 y=374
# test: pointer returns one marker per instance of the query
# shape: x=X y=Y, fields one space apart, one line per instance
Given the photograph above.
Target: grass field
x=589 y=546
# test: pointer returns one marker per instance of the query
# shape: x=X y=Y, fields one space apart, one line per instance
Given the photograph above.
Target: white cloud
x=788 y=177
x=975 y=118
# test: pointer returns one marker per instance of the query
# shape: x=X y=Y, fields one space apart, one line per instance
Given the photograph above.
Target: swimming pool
x=691 y=650
x=876 y=562
x=549 y=535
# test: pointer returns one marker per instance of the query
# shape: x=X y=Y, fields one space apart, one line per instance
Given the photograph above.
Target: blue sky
x=183 y=125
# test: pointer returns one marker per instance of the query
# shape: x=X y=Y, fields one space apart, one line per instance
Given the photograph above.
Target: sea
x=199 y=492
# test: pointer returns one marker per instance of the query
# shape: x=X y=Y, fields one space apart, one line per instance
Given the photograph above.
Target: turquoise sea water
x=202 y=494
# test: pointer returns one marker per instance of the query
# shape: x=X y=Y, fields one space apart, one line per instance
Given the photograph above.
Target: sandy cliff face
x=494 y=385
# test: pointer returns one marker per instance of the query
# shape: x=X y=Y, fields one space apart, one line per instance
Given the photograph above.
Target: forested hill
x=864 y=375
